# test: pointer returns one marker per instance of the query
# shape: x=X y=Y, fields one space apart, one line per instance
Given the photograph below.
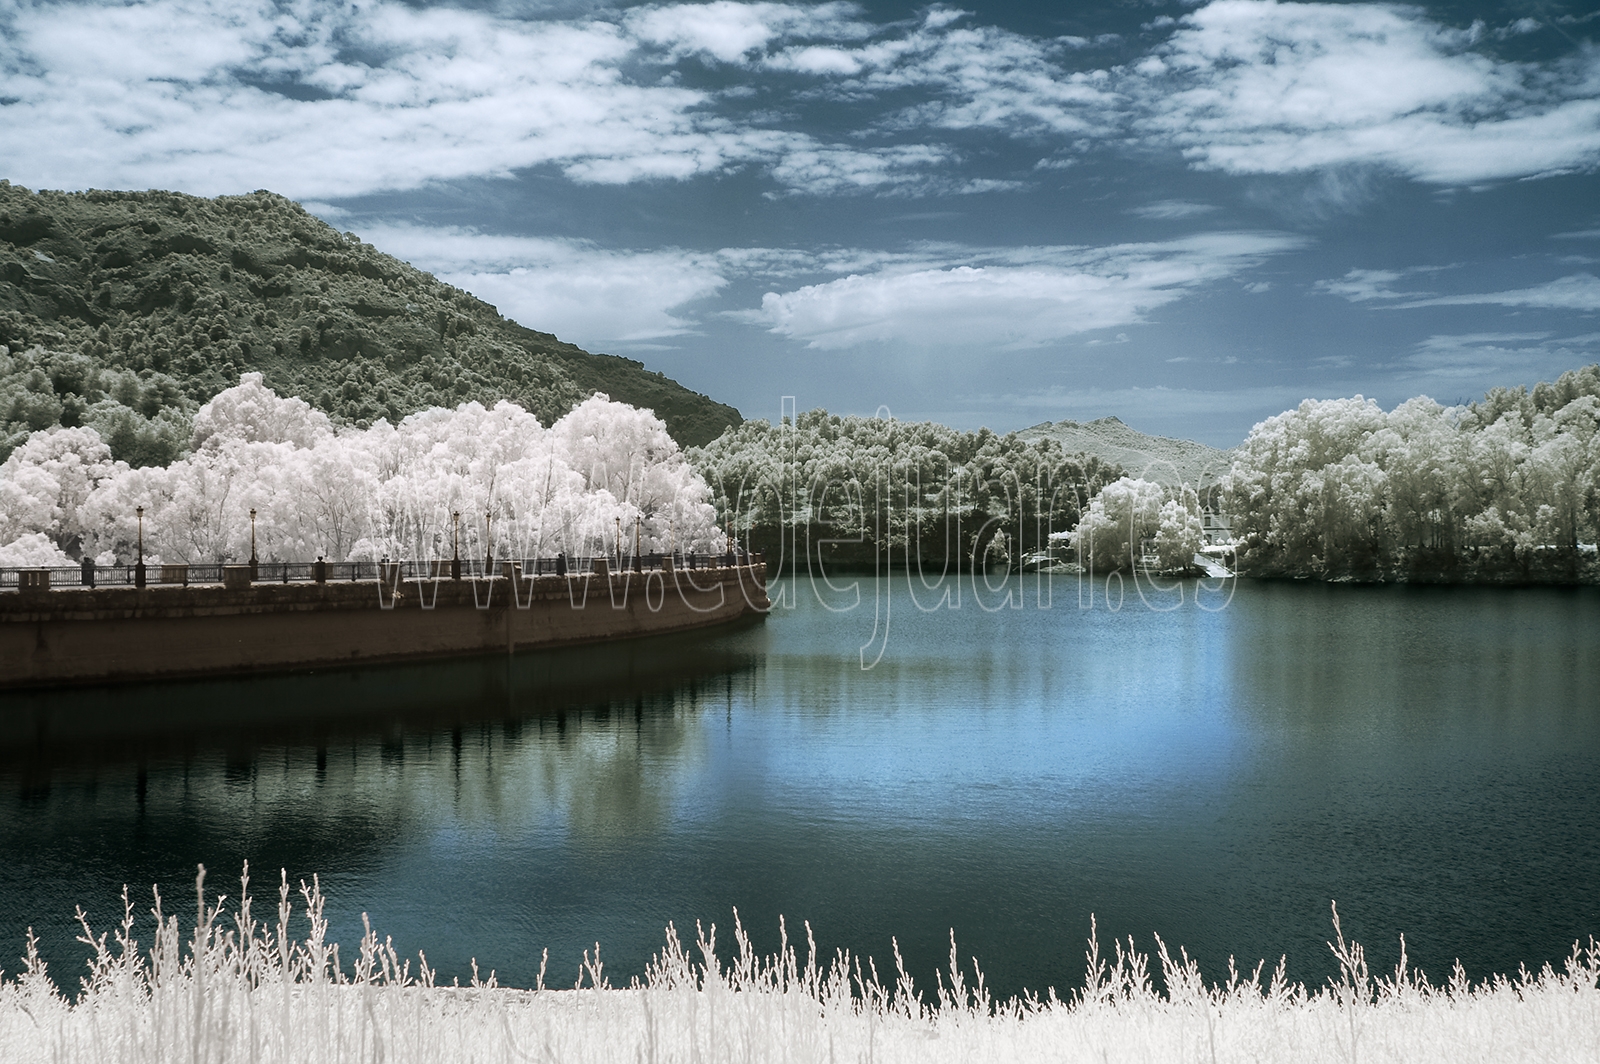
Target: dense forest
x=1502 y=490
x=126 y=310
x=862 y=492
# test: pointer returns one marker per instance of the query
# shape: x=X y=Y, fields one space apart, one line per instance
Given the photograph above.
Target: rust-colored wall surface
x=76 y=636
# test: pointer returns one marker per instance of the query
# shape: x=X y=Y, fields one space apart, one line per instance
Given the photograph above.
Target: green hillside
x=125 y=310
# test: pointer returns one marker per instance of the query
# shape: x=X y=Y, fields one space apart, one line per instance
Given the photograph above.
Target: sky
x=1190 y=216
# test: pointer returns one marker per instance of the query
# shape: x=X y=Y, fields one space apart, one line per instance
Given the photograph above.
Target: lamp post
x=253 y=570
x=488 y=557
x=638 y=528
x=618 y=542
x=455 y=546
x=138 y=570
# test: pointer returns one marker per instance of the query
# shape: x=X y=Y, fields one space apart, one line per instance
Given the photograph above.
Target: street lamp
x=638 y=527
x=138 y=570
x=455 y=546
x=488 y=558
x=253 y=571
x=618 y=542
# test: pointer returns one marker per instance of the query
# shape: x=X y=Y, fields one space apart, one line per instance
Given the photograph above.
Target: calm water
x=1428 y=757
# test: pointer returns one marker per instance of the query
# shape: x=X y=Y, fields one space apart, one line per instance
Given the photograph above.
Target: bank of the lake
x=1215 y=772
x=86 y=635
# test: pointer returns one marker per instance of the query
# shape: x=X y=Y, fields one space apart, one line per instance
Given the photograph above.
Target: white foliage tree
x=251 y=412
x=46 y=481
x=520 y=490
x=1496 y=489
x=1130 y=513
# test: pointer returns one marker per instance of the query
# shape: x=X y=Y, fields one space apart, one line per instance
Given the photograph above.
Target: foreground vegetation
x=126 y=310
x=243 y=989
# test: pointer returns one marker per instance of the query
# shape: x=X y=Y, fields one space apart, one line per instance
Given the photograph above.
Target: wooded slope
x=124 y=310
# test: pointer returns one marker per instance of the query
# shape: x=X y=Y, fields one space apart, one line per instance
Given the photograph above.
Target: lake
x=884 y=766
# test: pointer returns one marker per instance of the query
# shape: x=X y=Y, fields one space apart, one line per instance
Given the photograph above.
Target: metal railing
x=274 y=572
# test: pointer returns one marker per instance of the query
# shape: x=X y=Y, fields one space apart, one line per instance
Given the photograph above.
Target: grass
x=243 y=989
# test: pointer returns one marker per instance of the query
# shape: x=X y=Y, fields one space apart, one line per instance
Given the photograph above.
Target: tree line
x=272 y=477
x=835 y=491
x=1502 y=490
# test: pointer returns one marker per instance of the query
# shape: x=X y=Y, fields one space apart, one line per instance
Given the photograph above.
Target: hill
x=125 y=310
x=1158 y=458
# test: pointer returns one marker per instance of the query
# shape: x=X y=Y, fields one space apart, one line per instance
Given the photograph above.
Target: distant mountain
x=1158 y=458
x=126 y=309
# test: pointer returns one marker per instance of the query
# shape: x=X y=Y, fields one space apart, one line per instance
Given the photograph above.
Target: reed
x=245 y=989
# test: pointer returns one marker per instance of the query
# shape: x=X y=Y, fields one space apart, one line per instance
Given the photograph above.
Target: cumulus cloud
x=1014 y=298
x=327 y=101
x=592 y=296
x=1257 y=86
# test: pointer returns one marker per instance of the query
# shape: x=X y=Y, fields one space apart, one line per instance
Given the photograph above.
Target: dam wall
x=103 y=635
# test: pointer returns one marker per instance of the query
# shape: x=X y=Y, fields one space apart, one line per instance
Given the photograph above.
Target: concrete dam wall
x=116 y=634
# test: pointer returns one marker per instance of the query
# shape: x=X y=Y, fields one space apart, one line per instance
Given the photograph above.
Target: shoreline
x=112 y=635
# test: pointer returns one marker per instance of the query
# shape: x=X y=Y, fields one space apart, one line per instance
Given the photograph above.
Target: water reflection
x=1427 y=756
x=40 y=730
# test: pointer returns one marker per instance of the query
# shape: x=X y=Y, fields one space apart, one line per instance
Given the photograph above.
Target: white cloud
x=1363 y=286
x=327 y=101
x=932 y=295
x=1169 y=210
x=984 y=77
x=587 y=295
x=830 y=168
x=1014 y=298
x=1579 y=291
x=1466 y=364
x=730 y=32
x=1256 y=86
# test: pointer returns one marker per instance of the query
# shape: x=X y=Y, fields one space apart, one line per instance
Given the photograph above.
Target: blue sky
x=1190 y=216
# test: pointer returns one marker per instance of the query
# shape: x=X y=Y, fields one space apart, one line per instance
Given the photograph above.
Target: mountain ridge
x=1164 y=459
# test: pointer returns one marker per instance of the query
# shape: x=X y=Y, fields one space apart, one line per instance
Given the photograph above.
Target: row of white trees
x=1505 y=488
x=604 y=473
